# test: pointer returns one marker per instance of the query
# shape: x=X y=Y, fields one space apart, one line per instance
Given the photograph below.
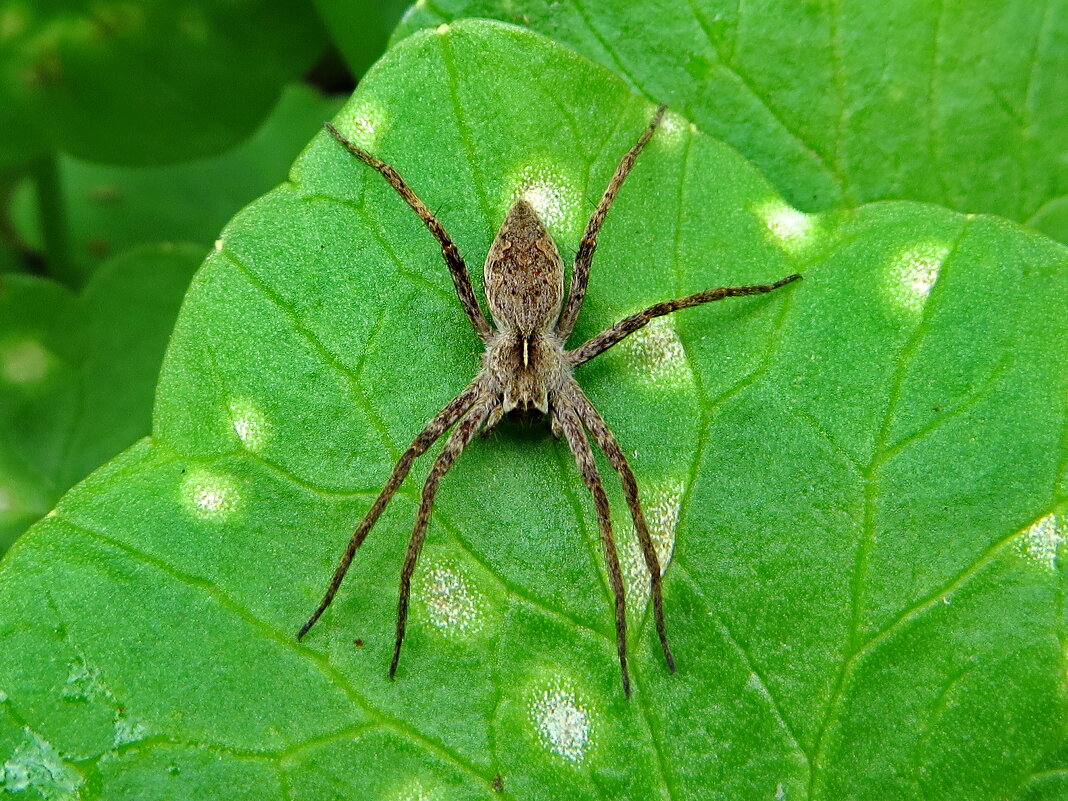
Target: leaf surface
x=840 y=104
x=860 y=479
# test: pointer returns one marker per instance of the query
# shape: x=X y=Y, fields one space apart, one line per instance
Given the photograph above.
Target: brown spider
x=526 y=368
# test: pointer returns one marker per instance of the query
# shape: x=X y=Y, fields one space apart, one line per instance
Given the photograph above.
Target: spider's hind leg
x=608 y=443
x=571 y=425
x=459 y=438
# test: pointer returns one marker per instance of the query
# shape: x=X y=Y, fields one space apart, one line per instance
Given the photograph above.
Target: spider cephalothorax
x=527 y=368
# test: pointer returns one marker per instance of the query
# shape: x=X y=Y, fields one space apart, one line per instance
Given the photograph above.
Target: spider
x=527 y=369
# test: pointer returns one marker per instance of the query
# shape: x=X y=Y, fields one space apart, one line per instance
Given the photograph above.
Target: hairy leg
x=608 y=443
x=454 y=445
x=455 y=262
x=580 y=273
x=427 y=437
x=571 y=426
x=628 y=325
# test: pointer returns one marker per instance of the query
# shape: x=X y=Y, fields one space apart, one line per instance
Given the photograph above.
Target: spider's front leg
x=628 y=325
x=569 y=421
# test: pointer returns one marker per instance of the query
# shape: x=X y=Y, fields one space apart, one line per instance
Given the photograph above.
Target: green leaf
x=146 y=82
x=77 y=373
x=111 y=209
x=840 y=104
x=862 y=477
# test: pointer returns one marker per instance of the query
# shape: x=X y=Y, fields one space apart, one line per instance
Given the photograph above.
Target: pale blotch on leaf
x=655 y=354
x=661 y=504
x=791 y=230
x=1042 y=540
x=249 y=424
x=556 y=200
x=24 y=361
x=442 y=29
x=7 y=501
x=452 y=605
x=36 y=767
x=413 y=791
x=362 y=124
x=562 y=721
x=912 y=274
x=673 y=130
x=84 y=685
x=210 y=496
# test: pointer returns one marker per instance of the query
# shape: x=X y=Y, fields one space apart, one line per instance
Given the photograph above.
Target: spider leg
x=453 y=259
x=580 y=273
x=494 y=417
x=571 y=425
x=427 y=437
x=628 y=325
x=454 y=445
x=608 y=443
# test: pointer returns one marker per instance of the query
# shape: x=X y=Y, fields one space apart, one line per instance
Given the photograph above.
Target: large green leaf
x=77 y=373
x=144 y=82
x=958 y=103
x=111 y=209
x=861 y=476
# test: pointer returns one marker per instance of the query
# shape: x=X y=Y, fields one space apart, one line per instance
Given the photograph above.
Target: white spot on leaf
x=442 y=29
x=563 y=721
x=656 y=355
x=36 y=766
x=249 y=424
x=661 y=505
x=451 y=604
x=362 y=124
x=554 y=199
x=673 y=129
x=914 y=272
x=1042 y=540
x=24 y=361
x=210 y=496
x=792 y=230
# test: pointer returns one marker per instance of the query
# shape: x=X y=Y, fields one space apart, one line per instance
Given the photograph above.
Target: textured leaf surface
x=144 y=82
x=77 y=373
x=111 y=209
x=862 y=478
x=955 y=103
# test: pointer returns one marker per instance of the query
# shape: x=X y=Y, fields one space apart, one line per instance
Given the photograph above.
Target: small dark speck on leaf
x=497 y=783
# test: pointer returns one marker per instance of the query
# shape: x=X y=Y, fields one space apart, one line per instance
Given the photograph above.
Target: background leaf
x=111 y=209
x=360 y=28
x=76 y=372
x=146 y=82
x=865 y=472
x=840 y=104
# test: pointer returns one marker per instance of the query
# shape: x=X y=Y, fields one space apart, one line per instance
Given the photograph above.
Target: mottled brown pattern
x=527 y=368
